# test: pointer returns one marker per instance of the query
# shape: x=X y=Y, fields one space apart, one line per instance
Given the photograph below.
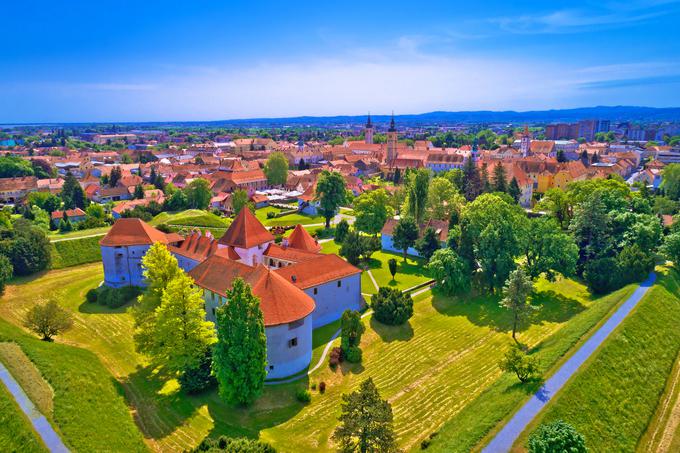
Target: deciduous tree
x=405 y=234
x=450 y=271
x=330 y=193
x=391 y=306
x=372 y=210
x=48 y=319
x=515 y=297
x=276 y=169
x=557 y=436
x=428 y=244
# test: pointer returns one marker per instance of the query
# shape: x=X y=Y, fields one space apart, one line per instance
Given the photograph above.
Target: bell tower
x=391 y=142
x=368 y=132
x=525 y=142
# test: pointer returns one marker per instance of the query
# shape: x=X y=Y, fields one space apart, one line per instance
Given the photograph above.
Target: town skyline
x=208 y=62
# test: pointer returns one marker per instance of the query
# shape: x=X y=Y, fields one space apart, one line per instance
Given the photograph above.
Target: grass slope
x=28 y=377
x=613 y=398
x=89 y=412
x=16 y=433
x=75 y=252
x=191 y=217
x=578 y=313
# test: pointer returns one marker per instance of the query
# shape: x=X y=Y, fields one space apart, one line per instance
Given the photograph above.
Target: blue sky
x=208 y=60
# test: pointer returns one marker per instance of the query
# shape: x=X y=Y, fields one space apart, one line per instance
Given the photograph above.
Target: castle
x=299 y=287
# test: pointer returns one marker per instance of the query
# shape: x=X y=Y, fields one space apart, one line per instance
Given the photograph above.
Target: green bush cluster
x=113 y=297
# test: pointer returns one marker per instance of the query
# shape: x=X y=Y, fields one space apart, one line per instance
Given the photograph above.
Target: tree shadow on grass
x=554 y=307
x=346 y=368
x=529 y=387
x=97 y=309
x=389 y=334
x=162 y=407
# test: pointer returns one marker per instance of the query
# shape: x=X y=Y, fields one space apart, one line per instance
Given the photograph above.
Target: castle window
x=292 y=342
x=271 y=367
x=316 y=291
x=213 y=311
x=339 y=283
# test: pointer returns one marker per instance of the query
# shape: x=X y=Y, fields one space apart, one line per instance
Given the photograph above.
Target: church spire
x=392 y=128
x=369 y=124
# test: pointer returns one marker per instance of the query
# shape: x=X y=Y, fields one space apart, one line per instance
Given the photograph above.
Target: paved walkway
x=78 y=237
x=505 y=439
x=49 y=437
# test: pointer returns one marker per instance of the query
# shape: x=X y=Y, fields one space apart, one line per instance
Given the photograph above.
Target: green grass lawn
x=16 y=433
x=290 y=219
x=434 y=368
x=75 y=252
x=191 y=217
x=80 y=233
x=614 y=396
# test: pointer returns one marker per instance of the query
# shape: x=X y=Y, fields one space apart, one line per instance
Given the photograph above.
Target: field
x=75 y=252
x=613 y=398
x=16 y=433
x=290 y=219
x=431 y=369
x=101 y=231
x=191 y=217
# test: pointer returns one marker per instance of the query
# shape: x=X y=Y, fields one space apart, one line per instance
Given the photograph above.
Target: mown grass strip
x=16 y=433
x=75 y=252
x=28 y=377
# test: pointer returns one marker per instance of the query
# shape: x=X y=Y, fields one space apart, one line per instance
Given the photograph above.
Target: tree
x=159 y=269
x=472 y=183
x=369 y=245
x=450 y=271
x=239 y=199
x=139 y=192
x=6 y=272
x=48 y=319
x=276 y=169
x=405 y=234
x=28 y=248
x=557 y=436
x=72 y=194
x=671 y=249
x=591 y=229
x=513 y=189
x=351 y=330
x=416 y=200
x=96 y=211
x=330 y=193
x=484 y=177
x=341 y=230
x=500 y=182
x=391 y=306
x=41 y=218
x=240 y=355
x=557 y=204
x=181 y=334
x=561 y=157
x=515 y=292
x=15 y=166
x=198 y=193
x=517 y=361
x=428 y=244
x=352 y=247
x=115 y=176
x=372 y=211
x=492 y=233
x=225 y=444
x=392 y=264
x=443 y=199
x=365 y=422
x=548 y=249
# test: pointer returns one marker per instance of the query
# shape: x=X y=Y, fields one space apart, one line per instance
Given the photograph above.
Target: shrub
x=164 y=227
x=391 y=306
x=392 y=264
x=517 y=361
x=353 y=354
x=322 y=387
x=200 y=378
x=116 y=297
x=303 y=395
x=557 y=436
x=426 y=442
x=271 y=215
x=335 y=358
x=91 y=295
x=233 y=445
x=313 y=385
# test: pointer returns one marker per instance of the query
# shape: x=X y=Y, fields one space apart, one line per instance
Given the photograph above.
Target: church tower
x=525 y=143
x=474 y=153
x=368 y=132
x=391 y=142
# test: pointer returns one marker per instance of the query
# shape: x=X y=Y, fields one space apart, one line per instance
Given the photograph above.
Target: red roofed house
x=73 y=215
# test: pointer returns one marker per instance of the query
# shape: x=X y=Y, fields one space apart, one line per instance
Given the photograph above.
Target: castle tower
x=525 y=143
x=391 y=142
x=368 y=132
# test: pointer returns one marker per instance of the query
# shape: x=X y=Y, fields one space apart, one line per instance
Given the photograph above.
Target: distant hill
x=614 y=113
x=617 y=113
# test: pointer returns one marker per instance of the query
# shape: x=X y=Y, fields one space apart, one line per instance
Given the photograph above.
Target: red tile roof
x=280 y=301
x=318 y=271
x=133 y=231
x=301 y=239
x=246 y=231
x=196 y=246
x=289 y=254
x=77 y=212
